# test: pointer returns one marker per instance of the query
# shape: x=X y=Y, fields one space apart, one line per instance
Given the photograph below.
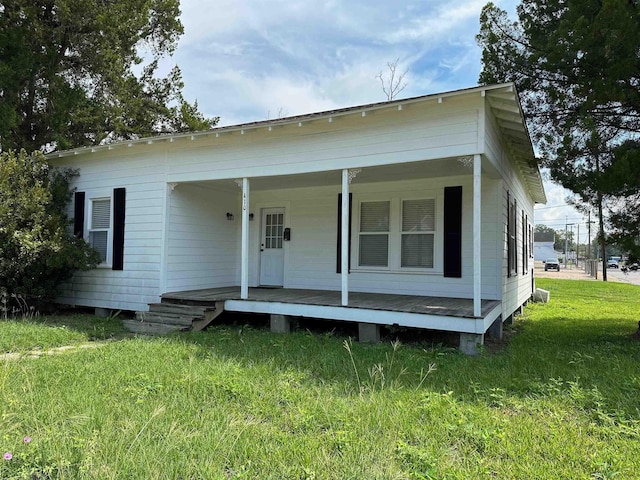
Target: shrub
x=37 y=252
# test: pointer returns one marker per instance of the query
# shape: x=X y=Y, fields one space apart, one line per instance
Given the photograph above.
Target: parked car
x=552 y=264
x=612 y=264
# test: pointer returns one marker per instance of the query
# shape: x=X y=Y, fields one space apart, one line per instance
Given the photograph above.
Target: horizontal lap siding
x=354 y=141
x=203 y=246
x=516 y=290
x=311 y=253
x=138 y=284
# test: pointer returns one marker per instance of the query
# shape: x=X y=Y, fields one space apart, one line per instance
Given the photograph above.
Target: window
x=103 y=233
x=418 y=233
x=531 y=236
x=512 y=250
x=525 y=245
x=398 y=234
x=100 y=226
x=374 y=234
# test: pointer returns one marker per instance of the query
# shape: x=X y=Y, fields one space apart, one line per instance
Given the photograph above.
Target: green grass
x=562 y=400
x=54 y=331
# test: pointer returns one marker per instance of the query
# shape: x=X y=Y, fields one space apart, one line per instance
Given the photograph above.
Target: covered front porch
x=368 y=309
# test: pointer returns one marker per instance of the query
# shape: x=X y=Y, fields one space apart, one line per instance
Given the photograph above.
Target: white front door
x=271 y=247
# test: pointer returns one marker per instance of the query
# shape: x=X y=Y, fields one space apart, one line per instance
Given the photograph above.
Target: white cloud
x=247 y=60
x=240 y=56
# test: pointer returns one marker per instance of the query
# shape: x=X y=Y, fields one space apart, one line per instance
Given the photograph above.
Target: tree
x=84 y=72
x=394 y=83
x=623 y=178
x=543 y=233
x=36 y=250
x=576 y=65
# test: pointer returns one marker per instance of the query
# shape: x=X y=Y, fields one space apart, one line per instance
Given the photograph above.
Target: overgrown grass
x=560 y=401
x=42 y=332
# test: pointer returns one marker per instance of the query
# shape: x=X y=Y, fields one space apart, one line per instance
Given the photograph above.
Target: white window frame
x=422 y=232
x=395 y=231
x=89 y=209
x=387 y=233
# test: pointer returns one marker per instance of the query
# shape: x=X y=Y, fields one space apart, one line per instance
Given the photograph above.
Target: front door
x=271 y=251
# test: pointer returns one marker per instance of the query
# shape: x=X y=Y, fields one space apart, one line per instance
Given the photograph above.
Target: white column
x=244 y=263
x=477 y=246
x=344 y=247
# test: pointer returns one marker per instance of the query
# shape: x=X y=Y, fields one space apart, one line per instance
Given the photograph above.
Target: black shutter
x=118 y=228
x=509 y=234
x=453 y=232
x=78 y=214
x=515 y=236
x=339 y=256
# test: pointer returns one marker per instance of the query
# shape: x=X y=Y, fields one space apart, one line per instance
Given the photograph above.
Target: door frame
x=278 y=265
x=257 y=238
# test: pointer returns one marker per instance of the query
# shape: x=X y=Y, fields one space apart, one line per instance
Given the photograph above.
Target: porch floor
x=425 y=305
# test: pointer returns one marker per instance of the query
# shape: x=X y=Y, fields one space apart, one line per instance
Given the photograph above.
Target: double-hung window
x=397 y=234
x=418 y=233
x=374 y=234
x=100 y=227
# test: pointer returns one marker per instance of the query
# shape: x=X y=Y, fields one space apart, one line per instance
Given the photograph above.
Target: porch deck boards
x=442 y=306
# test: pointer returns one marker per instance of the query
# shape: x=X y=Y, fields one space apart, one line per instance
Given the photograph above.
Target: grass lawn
x=561 y=400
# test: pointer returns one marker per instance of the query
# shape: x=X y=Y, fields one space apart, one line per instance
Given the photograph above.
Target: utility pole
x=566 y=241
x=589 y=236
x=578 y=248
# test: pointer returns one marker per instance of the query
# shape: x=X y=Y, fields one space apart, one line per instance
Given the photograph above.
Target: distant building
x=543 y=246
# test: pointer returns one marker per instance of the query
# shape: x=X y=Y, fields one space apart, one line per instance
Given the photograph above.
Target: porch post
x=344 y=247
x=477 y=246
x=244 y=264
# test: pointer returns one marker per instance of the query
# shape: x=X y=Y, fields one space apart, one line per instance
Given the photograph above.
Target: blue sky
x=249 y=60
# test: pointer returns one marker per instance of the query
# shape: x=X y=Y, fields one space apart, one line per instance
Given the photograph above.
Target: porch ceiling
x=444 y=167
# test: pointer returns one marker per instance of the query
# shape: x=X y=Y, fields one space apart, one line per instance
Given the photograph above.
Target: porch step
x=184 y=320
x=170 y=317
x=149 y=328
x=177 y=309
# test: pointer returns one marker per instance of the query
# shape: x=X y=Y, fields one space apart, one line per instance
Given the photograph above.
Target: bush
x=37 y=252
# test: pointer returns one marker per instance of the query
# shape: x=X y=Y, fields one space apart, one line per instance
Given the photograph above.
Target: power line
x=553 y=206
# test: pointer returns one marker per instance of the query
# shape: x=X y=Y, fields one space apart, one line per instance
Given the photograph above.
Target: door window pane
x=274 y=227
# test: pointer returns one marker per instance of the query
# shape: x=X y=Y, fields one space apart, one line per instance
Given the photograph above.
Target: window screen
x=374 y=234
x=100 y=223
x=418 y=233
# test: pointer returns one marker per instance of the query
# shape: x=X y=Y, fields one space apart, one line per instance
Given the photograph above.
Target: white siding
x=203 y=246
x=138 y=284
x=516 y=290
x=311 y=255
x=416 y=133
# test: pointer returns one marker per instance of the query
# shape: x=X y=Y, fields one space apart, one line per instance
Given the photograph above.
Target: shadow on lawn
x=94 y=328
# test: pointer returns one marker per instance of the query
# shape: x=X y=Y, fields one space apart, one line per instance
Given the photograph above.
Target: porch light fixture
x=251 y=217
x=230 y=216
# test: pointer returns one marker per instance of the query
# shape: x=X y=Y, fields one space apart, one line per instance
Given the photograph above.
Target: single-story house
x=415 y=212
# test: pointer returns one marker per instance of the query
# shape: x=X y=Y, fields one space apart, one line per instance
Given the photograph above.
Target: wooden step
x=175 y=308
x=150 y=328
x=167 y=318
x=209 y=317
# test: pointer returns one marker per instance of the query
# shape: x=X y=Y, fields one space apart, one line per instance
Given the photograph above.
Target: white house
x=416 y=212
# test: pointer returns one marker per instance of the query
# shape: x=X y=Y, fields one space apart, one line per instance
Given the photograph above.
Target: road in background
x=575 y=273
